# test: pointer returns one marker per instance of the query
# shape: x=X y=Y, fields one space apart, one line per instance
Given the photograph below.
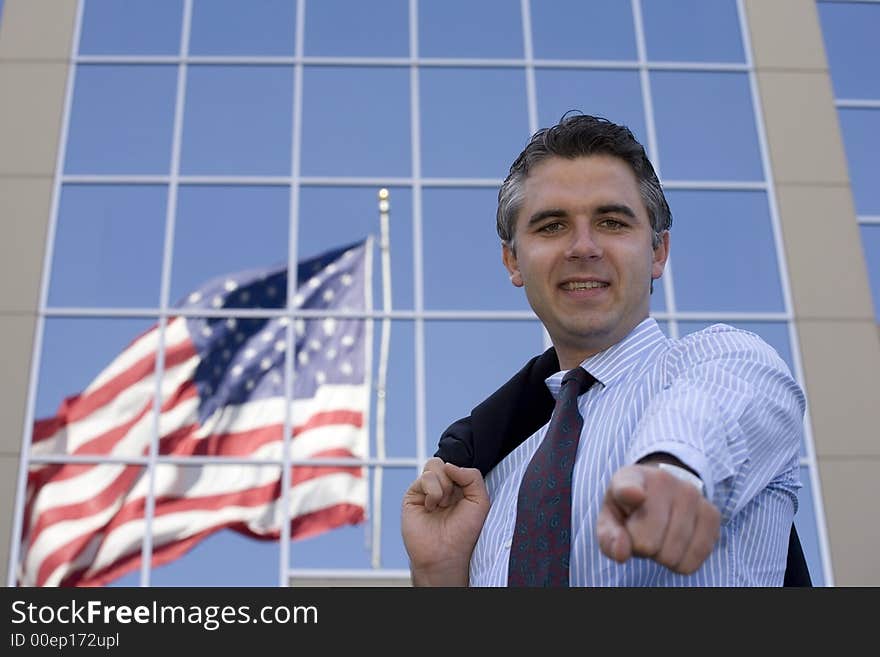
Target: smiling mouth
x=583 y=285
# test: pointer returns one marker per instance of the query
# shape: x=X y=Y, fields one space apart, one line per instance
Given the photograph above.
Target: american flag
x=222 y=394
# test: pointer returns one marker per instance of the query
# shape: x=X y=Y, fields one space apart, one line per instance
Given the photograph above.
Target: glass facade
x=206 y=137
x=850 y=30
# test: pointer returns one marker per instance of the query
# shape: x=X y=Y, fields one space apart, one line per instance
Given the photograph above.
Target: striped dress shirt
x=720 y=400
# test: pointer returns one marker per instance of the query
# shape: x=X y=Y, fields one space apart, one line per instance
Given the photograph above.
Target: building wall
x=831 y=296
x=35 y=46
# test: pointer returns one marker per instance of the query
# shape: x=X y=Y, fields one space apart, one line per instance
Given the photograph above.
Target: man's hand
x=443 y=513
x=650 y=513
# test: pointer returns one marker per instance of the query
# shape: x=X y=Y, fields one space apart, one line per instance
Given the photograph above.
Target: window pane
x=861 y=137
x=871 y=244
x=850 y=31
x=208 y=564
x=460 y=28
x=616 y=95
x=559 y=28
x=256 y=485
x=73 y=530
x=189 y=495
x=724 y=254
x=344 y=547
x=346 y=28
x=371 y=141
x=108 y=246
x=474 y=121
x=395 y=483
x=692 y=30
x=468 y=361
x=805 y=522
x=400 y=397
x=330 y=358
x=221 y=230
x=134 y=27
x=232 y=27
x=238 y=120
x=465 y=273
x=712 y=135
x=121 y=119
x=773 y=333
x=224 y=387
x=347 y=547
x=75 y=352
x=353 y=212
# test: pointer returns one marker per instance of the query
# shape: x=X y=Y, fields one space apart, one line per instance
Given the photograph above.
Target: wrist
x=440 y=574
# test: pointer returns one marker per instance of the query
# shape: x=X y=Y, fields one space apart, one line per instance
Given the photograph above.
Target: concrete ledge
x=37 y=30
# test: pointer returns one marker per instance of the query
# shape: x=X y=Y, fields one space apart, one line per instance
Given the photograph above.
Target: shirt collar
x=610 y=365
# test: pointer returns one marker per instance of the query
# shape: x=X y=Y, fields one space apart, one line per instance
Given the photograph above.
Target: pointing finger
x=614 y=540
x=627 y=489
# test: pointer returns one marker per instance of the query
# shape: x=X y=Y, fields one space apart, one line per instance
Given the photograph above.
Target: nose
x=583 y=244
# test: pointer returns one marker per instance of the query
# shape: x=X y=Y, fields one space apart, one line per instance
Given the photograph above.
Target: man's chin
x=593 y=337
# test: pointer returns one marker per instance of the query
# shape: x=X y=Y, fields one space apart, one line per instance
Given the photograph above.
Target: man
x=686 y=465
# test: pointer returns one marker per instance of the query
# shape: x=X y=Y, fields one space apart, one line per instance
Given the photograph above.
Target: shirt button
x=507 y=544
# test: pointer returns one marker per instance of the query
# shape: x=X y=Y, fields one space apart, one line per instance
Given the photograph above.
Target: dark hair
x=580 y=135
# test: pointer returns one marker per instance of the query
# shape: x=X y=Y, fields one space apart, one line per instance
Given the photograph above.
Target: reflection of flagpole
x=381 y=376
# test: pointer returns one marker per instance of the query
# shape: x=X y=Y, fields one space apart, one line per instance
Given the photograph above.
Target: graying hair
x=580 y=135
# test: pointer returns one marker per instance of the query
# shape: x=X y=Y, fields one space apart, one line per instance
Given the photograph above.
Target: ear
x=508 y=256
x=661 y=253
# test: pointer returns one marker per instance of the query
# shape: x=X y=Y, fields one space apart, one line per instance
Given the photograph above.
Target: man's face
x=582 y=250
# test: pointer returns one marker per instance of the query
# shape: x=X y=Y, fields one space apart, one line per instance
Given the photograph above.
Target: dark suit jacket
x=519 y=408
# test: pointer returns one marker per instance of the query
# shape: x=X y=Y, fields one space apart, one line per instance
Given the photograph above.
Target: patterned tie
x=540 y=552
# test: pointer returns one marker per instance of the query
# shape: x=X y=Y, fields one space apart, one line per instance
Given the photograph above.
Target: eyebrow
x=608 y=208
x=616 y=208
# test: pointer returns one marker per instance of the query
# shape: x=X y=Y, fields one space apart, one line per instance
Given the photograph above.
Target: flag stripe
x=73 y=437
x=146 y=344
x=123 y=481
x=124 y=532
x=302 y=526
x=123 y=478
x=81 y=406
x=230 y=419
x=76 y=483
x=221 y=393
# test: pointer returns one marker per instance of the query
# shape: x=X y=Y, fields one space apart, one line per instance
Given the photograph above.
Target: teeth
x=586 y=285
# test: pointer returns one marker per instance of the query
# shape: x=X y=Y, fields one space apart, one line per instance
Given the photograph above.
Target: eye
x=612 y=224
x=551 y=227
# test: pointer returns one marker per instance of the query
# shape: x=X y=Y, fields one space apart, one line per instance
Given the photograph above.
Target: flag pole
x=381 y=376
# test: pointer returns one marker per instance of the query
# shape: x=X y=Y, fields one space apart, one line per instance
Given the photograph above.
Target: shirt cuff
x=684 y=475
x=691 y=457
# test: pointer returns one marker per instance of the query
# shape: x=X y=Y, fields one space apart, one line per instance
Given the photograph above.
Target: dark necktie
x=541 y=548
